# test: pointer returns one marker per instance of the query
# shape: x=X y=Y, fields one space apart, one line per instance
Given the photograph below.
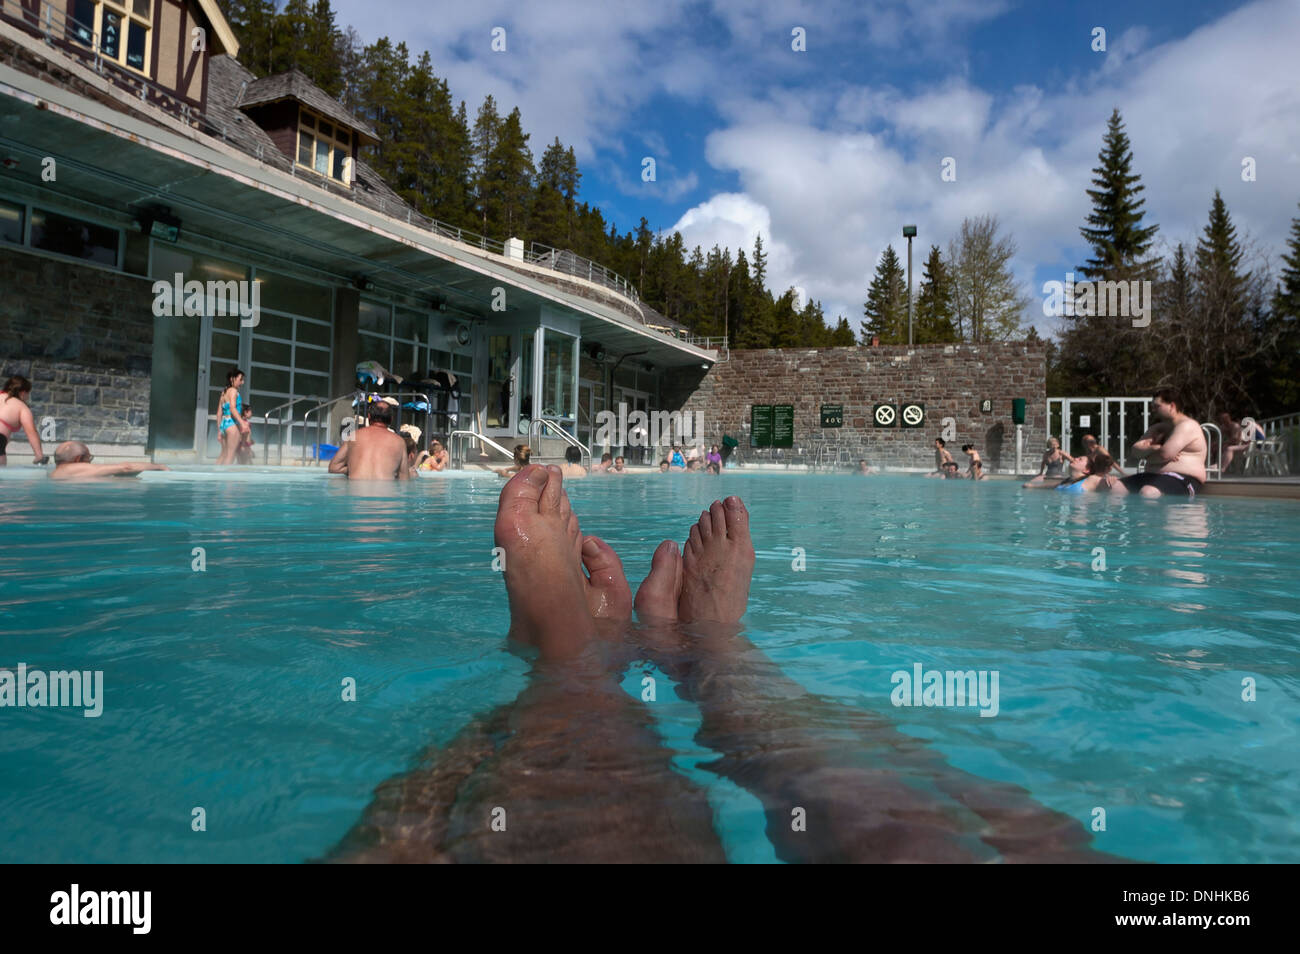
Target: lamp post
x=909 y=233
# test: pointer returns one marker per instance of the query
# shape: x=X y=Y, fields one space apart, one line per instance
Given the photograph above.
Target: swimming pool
x=1120 y=688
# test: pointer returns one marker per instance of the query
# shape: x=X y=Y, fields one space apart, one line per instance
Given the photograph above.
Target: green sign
x=783 y=425
x=832 y=415
x=912 y=414
x=760 y=425
x=885 y=415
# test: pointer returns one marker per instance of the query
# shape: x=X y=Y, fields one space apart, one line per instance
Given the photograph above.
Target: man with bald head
x=72 y=461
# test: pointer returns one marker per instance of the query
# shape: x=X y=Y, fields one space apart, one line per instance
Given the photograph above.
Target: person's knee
x=1149 y=491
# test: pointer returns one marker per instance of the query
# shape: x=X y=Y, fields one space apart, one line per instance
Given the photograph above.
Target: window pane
x=82 y=28
x=374 y=317
x=309 y=359
x=409 y=325
x=317 y=384
x=11 y=223
x=312 y=333
x=272 y=352
x=67 y=236
x=282 y=293
x=111 y=38
x=370 y=348
x=338 y=164
x=309 y=120
x=304 y=147
x=463 y=364
x=326 y=129
x=225 y=347
x=274 y=326
x=268 y=379
x=558 y=374
x=135 y=46
x=140 y=8
x=322 y=157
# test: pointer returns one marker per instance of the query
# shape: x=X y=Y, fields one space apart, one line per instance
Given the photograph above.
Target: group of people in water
x=1173 y=450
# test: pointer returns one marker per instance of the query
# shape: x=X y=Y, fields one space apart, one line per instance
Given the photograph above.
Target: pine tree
x=933 y=310
x=885 y=310
x=760 y=327
x=842 y=336
x=1119 y=240
x=1276 y=387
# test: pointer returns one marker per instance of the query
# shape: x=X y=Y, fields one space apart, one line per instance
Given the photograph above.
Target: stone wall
x=950 y=380
x=84 y=337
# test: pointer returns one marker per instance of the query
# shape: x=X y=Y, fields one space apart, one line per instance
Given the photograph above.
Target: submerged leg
x=573 y=770
x=838 y=783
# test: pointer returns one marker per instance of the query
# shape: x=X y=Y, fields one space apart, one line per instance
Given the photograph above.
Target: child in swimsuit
x=244 y=455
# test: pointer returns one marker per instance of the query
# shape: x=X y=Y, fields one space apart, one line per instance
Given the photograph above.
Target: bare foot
x=608 y=595
x=717 y=565
x=543 y=563
x=657 y=596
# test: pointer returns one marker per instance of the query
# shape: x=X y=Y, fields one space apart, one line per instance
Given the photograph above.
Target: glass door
x=500 y=385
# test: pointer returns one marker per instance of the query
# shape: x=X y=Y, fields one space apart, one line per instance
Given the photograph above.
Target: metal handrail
x=537 y=424
x=279 y=425
x=352 y=396
x=453 y=446
x=1209 y=440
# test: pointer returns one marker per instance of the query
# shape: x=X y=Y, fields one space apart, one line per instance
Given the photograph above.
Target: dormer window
x=324 y=147
x=120 y=29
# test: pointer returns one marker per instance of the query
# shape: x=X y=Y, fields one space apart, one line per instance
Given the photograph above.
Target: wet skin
x=580 y=771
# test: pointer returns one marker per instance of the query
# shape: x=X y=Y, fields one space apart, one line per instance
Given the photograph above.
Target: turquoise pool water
x=1119 y=688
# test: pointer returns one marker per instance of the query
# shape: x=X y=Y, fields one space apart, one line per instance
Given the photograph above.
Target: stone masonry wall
x=950 y=380
x=84 y=337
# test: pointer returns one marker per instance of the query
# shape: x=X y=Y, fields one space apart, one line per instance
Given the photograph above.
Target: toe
x=737 y=518
x=553 y=495
x=613 y=597
x=718 y=518
x=657 y=596
x=705 y=526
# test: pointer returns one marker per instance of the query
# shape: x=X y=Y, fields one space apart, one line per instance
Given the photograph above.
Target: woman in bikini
x=231 y=427
x=15 y=415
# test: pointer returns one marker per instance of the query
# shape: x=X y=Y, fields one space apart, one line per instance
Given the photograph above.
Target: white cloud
x=833 y=194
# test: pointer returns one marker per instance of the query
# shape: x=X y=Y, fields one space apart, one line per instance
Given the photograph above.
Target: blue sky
x=829 y=151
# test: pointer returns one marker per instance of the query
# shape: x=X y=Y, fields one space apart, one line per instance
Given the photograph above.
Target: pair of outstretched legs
x=573 y=770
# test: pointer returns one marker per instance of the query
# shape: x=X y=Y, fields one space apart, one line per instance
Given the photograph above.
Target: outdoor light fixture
x=362 y=283
x=909 y=233
x=158 y=222
x=596 y=351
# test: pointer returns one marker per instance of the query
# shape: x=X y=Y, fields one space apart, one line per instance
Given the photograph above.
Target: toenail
x=535 y=475
x=590 y=547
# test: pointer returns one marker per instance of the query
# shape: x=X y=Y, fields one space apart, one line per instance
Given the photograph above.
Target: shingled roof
x=296 y=86
x=226 y=77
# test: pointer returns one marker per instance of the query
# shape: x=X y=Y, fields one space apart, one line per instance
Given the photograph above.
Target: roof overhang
x=119 y=163
x=225 y=35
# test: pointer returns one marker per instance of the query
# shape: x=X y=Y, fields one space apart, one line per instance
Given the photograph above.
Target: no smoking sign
x=886 y=415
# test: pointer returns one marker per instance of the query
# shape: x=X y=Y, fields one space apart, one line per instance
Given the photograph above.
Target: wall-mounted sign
x=912 y=414
x=783 y=425
x=986 y=406
x=885 y=415
x=832 y=415
x=760 y=425
x=1085 y=420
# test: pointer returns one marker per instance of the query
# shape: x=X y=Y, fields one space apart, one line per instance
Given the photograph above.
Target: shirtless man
x=1174 y=449
x=572 y=466
x=72 y=461
x=976 y=469
x=15 y=415
x=941 y=458
x=620 y=466
x=375 y=453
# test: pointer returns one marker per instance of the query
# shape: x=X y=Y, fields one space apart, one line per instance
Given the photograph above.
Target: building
x=138 y=154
